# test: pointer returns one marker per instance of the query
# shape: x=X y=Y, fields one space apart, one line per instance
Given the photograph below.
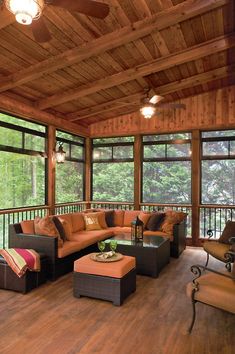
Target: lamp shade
x=60 y=154
x=25 y=11
x=148 y=110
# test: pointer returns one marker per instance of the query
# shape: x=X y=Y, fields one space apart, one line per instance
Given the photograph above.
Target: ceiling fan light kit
x=25 y=11
x=148 y=110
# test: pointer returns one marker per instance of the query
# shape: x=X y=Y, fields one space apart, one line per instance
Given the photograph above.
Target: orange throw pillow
x=45 y=226
x=27 y=227
x=172 y=217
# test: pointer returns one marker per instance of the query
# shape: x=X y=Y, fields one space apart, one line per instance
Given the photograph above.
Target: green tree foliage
x=69 y=182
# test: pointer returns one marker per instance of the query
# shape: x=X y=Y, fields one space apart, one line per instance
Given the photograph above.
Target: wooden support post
x=196 y=187
x=88 y=161
x=137 y=171
x=51 y=143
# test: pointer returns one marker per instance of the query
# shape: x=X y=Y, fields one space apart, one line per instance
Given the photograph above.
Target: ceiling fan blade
x=155 y=99
x=172 y=105
x=87 y=7
x=40 y=31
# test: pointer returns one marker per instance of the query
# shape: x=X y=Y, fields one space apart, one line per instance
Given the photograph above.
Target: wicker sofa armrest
x=179 y=239
x=44 y=244
x=232 y=240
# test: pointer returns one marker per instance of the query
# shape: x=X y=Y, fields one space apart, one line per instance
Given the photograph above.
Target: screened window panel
x=34 y=142
x=218 y=182
x=10 y=137
x=232 y=148
x=69 y=182
x=178 y=150
x=167 y=182
x=22 y=180
x=123 y=152
x=220 y=133
x=77 y=152
x=102 y=153
x=163 y=137
x=113 y=182
x=214 y=148
x=154 y=151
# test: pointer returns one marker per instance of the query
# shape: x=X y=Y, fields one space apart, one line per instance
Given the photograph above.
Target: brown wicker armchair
x=212 y=288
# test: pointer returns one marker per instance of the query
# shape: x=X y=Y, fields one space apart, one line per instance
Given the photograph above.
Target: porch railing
x=214 y=218
x=112 y=205
x=70 y=207
x=13 y=216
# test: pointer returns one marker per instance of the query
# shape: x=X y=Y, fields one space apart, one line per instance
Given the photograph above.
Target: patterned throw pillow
x=92 y=222
x=45 y=226
x=172 y=218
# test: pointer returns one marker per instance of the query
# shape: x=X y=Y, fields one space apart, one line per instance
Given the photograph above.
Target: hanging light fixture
x=25 y=11
x=148 y=110
x=60 y=154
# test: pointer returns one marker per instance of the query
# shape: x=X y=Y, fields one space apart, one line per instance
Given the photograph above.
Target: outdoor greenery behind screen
x=166 y=173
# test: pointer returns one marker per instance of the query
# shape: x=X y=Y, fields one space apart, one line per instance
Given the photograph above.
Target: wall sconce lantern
x=137 y=229
x=60 y=154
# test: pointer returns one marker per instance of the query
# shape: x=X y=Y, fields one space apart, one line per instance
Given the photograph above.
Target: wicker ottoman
x=112 y=281
x=30 y=280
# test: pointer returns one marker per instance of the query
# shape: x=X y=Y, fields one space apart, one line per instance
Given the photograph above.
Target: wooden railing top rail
x=216 y=206
x=111 y=203
x=20 y=210
x=167 y=205
x=68 y=204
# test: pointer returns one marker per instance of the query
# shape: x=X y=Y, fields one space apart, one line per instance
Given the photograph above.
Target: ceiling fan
x=29 y=12
x=150 y=103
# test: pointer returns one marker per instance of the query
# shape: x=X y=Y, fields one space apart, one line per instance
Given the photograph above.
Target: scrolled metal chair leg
x=194 y=317
x=228 y=267
x=207 y=259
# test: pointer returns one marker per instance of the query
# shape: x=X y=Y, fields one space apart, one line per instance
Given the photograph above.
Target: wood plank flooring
x=154 y=320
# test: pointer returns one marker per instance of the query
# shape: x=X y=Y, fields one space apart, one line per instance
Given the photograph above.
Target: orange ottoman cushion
x=113 y=269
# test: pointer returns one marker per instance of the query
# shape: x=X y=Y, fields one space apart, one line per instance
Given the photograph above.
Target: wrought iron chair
x=212 y=288
x=219 y=250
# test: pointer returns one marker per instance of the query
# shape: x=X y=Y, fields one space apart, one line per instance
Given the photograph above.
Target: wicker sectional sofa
x=81 y=241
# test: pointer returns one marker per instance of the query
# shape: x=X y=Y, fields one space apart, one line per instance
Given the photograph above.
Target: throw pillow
x=60 y=227
x=109 y=218
x=155 y=221
x=144 y=217
x=67 y=228
x=172 y=217
x=229 y=231
x=27 y=227
x=45 y=226
x=92 y=221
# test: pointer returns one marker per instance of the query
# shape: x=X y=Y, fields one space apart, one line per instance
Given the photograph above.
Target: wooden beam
x=138 y=159
x=163 y=63
x=106 y=106
x=10 y=105
x=196 y=189
x=191 y=81
x=132 y=32
x=51 y=142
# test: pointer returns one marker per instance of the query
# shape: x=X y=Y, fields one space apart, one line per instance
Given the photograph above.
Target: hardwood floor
x=154 y=320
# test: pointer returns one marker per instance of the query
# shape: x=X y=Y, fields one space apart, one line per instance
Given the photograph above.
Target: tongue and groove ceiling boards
x=95 y=69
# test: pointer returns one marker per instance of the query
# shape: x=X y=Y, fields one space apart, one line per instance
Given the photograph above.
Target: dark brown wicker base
x=10 y=281
x=105 y=288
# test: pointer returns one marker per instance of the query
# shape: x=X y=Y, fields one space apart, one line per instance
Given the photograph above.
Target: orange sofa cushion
x=118 y=217
x=112 y=269
x=129 y=216
x=28 y=227
x=78 y=223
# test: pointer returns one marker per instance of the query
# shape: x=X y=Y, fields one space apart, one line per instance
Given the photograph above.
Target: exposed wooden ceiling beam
x=106 y=106
x=166 y=18
x=10 y=105
x=172 y=87
x=163 y=63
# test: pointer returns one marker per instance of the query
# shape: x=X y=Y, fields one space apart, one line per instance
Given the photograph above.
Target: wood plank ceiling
x=93 y=69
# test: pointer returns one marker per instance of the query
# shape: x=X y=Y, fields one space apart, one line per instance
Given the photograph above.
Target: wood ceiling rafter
x=139 y=29
x=192 y=53
x=191 y=81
